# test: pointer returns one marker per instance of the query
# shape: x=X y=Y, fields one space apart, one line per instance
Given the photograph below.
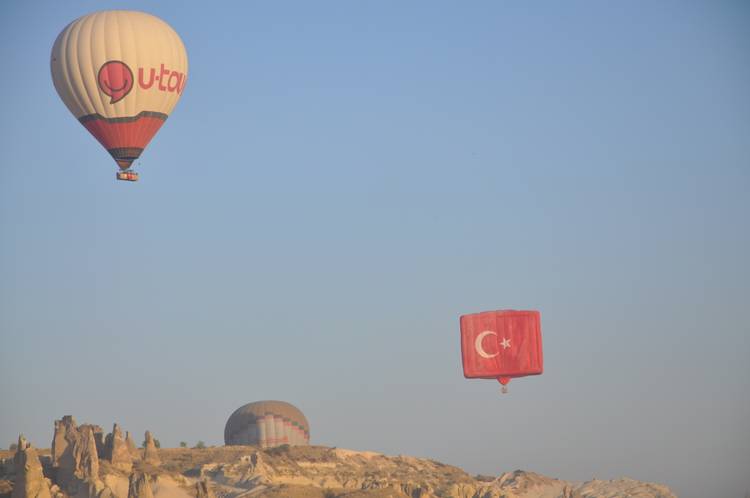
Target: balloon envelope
x=120 y=73
x=267 y=424
x=501 y=345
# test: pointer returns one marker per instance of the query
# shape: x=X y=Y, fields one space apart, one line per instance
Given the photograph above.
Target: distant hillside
x=290 y=472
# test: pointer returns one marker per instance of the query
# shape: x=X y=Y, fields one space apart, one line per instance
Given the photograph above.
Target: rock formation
x=85 y=456
x=75 y=458
x=139 y=486
x=98 y=439
x=59 y=439
x=30 y=481
x=130 y=442
x=116 y=450
x=283 y=472
x=150 y=453
x=333 y=472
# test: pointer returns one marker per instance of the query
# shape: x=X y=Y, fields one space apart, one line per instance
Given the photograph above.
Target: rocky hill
x=84 y=464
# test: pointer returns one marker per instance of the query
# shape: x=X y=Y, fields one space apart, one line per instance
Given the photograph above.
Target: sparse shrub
x=278 y=450
x=13 y=447
x=200 y=445
x=183 y=444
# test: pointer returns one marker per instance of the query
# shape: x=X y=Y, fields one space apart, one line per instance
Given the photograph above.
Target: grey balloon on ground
x=267 y=424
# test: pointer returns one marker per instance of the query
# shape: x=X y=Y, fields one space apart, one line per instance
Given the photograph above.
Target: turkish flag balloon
x=120 y=73
x=501 y=345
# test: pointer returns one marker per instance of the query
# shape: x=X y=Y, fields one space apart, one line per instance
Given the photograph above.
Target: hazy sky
x=342 y=180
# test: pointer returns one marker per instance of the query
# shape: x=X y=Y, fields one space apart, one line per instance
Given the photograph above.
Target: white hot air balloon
x=120 y=73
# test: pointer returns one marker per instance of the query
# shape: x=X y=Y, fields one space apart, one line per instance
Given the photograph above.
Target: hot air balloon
x=120 y=73
x=501 y=345
x=267 y=424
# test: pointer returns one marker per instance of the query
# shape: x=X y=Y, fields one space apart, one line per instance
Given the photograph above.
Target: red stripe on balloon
x=120 y=133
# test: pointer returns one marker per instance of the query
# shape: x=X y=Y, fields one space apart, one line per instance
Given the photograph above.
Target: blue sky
x=342 y=180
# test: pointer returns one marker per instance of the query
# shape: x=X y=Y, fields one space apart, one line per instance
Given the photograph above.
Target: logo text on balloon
x=116 y=80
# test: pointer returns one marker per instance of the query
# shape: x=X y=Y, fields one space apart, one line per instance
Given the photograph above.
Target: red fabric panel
x=114 y=135
x=497 y=344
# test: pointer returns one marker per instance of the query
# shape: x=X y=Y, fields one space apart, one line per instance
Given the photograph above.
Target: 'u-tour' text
x=115 y=80
x=167 y=80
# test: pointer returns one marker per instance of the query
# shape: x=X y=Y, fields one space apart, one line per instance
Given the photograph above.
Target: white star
x=506 y=343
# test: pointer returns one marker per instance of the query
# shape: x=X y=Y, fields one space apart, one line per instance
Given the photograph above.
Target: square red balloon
x=501 y=344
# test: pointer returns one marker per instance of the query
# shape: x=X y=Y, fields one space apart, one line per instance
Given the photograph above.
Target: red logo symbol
x=115 y=80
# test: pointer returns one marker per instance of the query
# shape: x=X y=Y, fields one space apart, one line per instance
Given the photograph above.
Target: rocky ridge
x=74 y=470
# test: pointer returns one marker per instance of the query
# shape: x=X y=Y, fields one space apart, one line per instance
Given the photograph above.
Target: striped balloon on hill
x=120 y=73
x=267 y=424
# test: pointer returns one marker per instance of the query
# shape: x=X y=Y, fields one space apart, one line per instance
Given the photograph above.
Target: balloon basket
x=128 y=176
x=504 y=390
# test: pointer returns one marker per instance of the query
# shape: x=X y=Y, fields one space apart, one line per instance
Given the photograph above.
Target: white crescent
x=478 y=344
